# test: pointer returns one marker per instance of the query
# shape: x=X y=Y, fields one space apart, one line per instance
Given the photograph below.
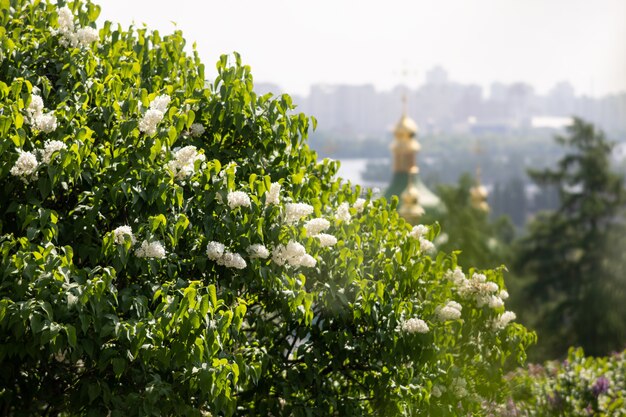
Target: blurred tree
x=467 y=227
x=572 y=258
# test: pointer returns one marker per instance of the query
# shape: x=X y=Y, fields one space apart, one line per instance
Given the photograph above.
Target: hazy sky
x=296 y=43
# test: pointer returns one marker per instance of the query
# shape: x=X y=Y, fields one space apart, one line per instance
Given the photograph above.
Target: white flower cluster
x=120 y=233
x=237 y=199
x=451 y=311
x=196 y=129
x=503 y=320
x=413 y=325
x=82 y=37
x=49 y=148
x=419 y=232
x=216 y=252
x=154 y=114
x=482 y=291
x=326 y=239
x=457 y=276
x=293 y=254
x=295 y=211
x=26 y=166
x=152 y=249
x=359 y=205
x=273 y=195
x=183 y=164
x=46 y=122
x=258 y=251
x=315 y=226
x=343 y=212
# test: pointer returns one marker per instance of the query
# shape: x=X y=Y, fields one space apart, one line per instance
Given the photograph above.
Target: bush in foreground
x=170 y=246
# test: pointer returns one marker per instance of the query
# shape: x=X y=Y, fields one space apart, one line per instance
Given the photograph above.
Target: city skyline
x=296 y=44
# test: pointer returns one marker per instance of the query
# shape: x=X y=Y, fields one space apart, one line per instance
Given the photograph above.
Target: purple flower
x=601 y=386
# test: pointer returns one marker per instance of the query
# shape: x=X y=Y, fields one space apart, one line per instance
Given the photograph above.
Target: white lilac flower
x=150 y=120
x=25 y=166
x=451 y=311
x=293 y=254
x=426 y=245
x=414 y=325
x=273 y=195
x=315 y=226
x=214 y=250
x=495 y=302
x=66 y=20
x=343 y=212
x=457 y=276
x=419 y=231
x=196 y=129
x=307 y=260
x=238 y=199
x=296 y=211
x=258 y=251
x=232 y=260
x=359 y=205
x=160 y=103
x=183 y=164
x=86 y=36
x=480 y=289
x=152 y=249
x=49 y=148
x=503 y=320
x=326 y=239
x=120 y=233
x=46 y=122
x=36 y=106
x=503 y=294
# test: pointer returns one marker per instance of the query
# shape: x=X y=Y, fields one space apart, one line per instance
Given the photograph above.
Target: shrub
x=162 y=250
x=578 y=386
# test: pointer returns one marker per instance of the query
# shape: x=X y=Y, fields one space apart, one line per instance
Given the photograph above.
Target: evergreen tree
x=572 y=257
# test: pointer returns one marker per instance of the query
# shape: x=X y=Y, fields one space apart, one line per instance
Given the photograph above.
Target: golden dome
x=406 y=127
x=478 y=197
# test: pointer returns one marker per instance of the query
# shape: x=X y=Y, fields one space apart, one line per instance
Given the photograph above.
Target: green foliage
x=116 y=191
x=579 y=386
x=573 y=257
x=481 y=243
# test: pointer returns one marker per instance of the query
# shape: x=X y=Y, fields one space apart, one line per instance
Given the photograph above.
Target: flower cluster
x=503 y=320
x=314 y=226
x=46 y=122
x=413 y=325
x=82 y=37
x=295 y=211
x=49 y=148
x=26 y=166
x=326 y=239
x=419 y=232
x=451 y=311
x=216 y=252
x=482 y=291
x=154 y=114
x=273 y=195
x=120 y=234
x=359 y=205
x=237 y=199
x=293 y=254
x=196 y=129
x=183 y=164
x=258 y=251
x=343 y=212
x=152 y=249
